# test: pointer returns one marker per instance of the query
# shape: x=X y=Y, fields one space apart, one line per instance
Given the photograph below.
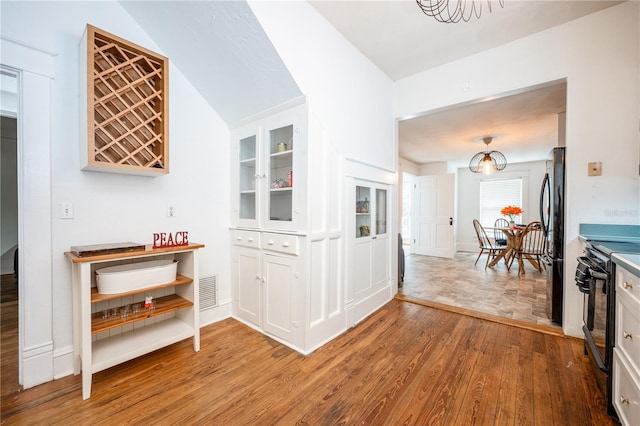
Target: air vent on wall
x=208 y=292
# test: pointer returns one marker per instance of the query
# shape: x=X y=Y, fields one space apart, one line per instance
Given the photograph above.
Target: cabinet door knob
x=285 y=244
x=627 y=285
x=271 y=242
x=250 y=240
x=627 y=335
x=624 y=400
x=239 y=238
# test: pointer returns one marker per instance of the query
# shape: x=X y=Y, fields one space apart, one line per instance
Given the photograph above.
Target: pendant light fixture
x=452 y=11
x=487 y=162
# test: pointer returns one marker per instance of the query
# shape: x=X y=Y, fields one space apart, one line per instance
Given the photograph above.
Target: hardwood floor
x=405 y=364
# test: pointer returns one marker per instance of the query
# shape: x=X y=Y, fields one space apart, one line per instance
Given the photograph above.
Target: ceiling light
x=487 y=162
x=452 y=11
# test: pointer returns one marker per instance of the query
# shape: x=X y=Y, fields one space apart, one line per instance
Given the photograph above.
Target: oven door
x=594 y=283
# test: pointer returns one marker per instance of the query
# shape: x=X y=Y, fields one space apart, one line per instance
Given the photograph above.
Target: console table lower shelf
x=132 y=344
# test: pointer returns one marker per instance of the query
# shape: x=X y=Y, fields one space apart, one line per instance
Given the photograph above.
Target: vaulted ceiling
x=223 y=51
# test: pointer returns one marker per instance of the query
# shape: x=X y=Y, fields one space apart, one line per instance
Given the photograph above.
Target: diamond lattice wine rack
x=127 y=106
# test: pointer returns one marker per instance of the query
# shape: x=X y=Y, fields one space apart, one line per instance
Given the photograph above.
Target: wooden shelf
x=126 y=346
x=127 y=106
x=99 y=297
x=164 y=304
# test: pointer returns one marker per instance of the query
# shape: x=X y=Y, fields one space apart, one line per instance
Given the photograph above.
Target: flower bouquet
x=511 y=212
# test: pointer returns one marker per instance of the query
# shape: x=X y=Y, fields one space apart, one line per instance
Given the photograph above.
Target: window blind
x=496 y=194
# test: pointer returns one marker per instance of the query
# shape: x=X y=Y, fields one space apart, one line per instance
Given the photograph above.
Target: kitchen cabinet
x=369 y=242
x=269 y=179
x=626 y=351
x=269 y=280
x=102 y=340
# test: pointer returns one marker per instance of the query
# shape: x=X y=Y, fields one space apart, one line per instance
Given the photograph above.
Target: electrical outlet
x=171 y=211
x=66 y=210
x=595 y=169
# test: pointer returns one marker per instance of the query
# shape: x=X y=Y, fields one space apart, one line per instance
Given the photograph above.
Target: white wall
x=352 y=97
x=599 y=57
x=468 y=197
x=111 y=207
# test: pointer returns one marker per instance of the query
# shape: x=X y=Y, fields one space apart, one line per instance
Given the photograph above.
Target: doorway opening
x=530 y=124
x=9 y=231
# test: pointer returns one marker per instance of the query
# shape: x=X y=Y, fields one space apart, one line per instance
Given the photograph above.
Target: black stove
x=594 y=277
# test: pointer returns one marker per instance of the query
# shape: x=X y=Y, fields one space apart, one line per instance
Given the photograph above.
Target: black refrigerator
x=552 y=219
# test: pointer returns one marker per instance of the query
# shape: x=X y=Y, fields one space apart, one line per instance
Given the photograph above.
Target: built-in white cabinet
x=269 y=218
x=269 y=279
x=106 y=333
x=369 y=241
x=269 y=179
x=293 y=231
x=626 y=351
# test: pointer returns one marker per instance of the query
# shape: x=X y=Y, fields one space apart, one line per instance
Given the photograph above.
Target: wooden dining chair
x=486 y=245
x=533 y=245
x=499 y=236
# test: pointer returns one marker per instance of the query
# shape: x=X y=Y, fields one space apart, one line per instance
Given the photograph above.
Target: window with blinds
x=496 y=194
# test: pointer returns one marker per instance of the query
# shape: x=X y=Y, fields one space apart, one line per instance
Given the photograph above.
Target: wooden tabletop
x=149 y=250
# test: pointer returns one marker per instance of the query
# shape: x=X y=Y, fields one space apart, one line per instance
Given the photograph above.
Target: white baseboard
x=470 y=247
x=62 y=362
x=218 y=313
x=37 y=365
x=363 y=308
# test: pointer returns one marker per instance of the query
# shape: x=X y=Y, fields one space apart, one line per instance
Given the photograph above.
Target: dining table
x=514 y=237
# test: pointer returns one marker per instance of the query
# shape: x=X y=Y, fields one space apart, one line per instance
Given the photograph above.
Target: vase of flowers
x=511 y=212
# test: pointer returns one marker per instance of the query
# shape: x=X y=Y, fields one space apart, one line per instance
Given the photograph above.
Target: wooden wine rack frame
x=127 y=106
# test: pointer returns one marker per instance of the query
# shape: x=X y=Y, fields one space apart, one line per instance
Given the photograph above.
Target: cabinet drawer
x=245 y=238
x=626 y=391
x=628 y=284
x=283 y=243
x=628 y=329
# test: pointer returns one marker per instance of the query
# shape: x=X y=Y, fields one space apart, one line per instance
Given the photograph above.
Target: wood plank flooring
x=405 y=364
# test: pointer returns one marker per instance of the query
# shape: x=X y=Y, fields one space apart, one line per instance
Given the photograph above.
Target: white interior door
x=433 y=217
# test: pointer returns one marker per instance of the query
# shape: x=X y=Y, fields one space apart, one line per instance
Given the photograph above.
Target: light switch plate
x=595 y=169
x=66 y=210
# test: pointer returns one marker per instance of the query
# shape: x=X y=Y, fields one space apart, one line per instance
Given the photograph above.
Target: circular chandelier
x=487 y=162
x=445 y=11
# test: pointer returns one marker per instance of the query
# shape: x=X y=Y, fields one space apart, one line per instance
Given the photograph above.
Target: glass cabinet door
x=363 y=211
x=247 y=179
x=280 y=168
x=381 y=211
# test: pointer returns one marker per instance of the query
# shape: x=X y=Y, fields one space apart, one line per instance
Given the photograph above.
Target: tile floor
x=497 y=291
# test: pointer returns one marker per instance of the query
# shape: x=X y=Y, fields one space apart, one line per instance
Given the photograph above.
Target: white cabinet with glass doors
x=269 y=153
x=370 y=240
